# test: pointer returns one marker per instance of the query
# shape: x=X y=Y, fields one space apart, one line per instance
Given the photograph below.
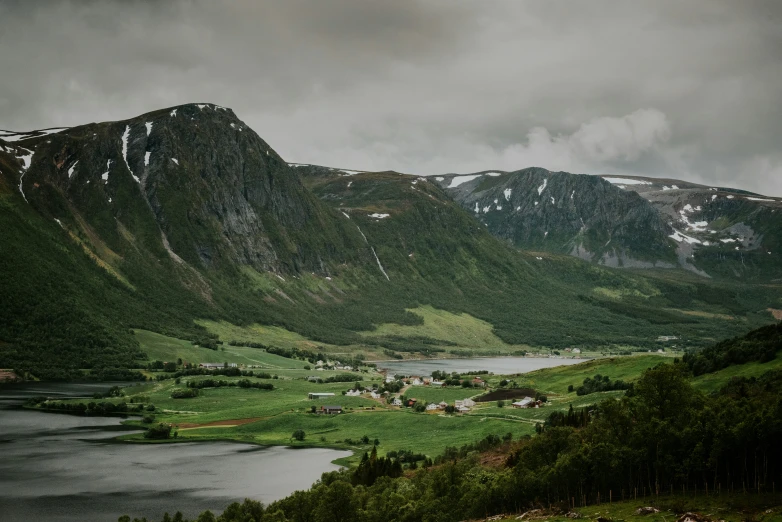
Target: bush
x=188 y=393
x=298 y=435
x=159 y=432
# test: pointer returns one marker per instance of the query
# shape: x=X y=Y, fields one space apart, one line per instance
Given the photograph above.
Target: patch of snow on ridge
x=173 y=113
x=59 y=223
x=459 y=180
x=627 y=181
x=125 y=136
x=148 y=125
x=26 y=160
x=175 y=160
x=542 y=187
x=349 y=172
x=344 y=214
x=759 y=199
x=477 y=208
x=105 y=175
x=146 y=158
x=201 y=106
x=553 y=202
x=679 y=237
x=494 y=174
x=379 y=216
x=440 y=178
x=70 y=170
x=507 y=193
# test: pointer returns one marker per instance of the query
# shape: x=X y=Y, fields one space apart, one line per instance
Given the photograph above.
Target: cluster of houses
x=217 y=366
x=359 y=393
x=429 y=381
x=462 y=406
x=332 y=365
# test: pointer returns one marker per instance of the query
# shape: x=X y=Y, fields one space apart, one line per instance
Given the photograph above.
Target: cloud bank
x=666 y=88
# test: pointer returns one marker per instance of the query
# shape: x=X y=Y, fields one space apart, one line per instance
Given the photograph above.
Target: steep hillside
x=720 y=232
x=579 y=215
x=530 y=297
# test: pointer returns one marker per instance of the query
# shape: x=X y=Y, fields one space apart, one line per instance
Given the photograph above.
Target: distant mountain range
x=186 y=213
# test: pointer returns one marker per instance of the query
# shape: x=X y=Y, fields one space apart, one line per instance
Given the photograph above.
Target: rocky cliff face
x=717 y=231
x=192 y=180
x=631 y=222
x=580 y=215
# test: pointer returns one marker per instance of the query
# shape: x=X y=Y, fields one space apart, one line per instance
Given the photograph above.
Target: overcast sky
x=689 y=90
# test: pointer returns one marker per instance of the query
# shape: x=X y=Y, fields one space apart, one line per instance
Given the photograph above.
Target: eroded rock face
x=193 y=182
x=560 y=212
x=628 y=222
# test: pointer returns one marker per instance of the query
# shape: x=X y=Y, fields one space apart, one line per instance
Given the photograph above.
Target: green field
x=713 y=381
x=556 y=380
x=271 y=416
x=162 y=348
x=464 y=330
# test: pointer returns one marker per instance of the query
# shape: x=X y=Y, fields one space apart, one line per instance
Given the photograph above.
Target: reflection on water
x=496 y=365
x=63 y=467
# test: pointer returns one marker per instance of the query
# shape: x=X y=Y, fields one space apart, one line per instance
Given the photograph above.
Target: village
x=396 y=391
x=400 y=399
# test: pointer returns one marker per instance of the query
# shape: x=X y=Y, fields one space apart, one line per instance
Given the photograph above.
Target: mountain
x=630 y=222
x=185 y=214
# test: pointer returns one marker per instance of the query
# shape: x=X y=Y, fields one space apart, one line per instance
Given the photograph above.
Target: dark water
x=57 y=467
x=496 y=365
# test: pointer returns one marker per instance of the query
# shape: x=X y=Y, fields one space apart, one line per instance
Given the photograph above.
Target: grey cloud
x=664 y=88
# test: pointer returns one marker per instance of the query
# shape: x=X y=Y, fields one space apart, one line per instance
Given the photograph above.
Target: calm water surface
x=59 y=467
x=497 y=365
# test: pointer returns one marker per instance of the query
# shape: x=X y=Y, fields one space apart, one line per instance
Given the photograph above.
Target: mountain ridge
x=185 y=214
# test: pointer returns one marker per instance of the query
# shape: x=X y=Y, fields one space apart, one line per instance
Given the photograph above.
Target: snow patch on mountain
x=125 y=136
x=459 y=180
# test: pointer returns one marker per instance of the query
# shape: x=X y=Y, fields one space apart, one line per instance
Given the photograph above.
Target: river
x=496 y=365
x=64 y=468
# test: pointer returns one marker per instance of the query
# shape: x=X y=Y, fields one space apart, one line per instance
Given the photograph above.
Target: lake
x=496 y=365
x=58 y=467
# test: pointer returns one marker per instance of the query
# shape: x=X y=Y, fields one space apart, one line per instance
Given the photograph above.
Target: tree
x=500 y=404
x=298 y=435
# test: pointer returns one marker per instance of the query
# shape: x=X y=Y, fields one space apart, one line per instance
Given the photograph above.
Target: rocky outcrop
x=560 y=212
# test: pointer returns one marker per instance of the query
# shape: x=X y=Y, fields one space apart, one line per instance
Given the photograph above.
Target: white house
x=468 y=403
x=436 y=383
x=375 y=395
x=442 y=405
x=432 y=406
x=462 y=409
x=576 y=350
x=416 y=381
x=396 y=402
x=353 y=393
x=390 y=378
x=523 y=403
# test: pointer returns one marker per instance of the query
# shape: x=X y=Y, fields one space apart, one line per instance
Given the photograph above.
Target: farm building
x=330 y=410
x=526 y=402
x=319 y=395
